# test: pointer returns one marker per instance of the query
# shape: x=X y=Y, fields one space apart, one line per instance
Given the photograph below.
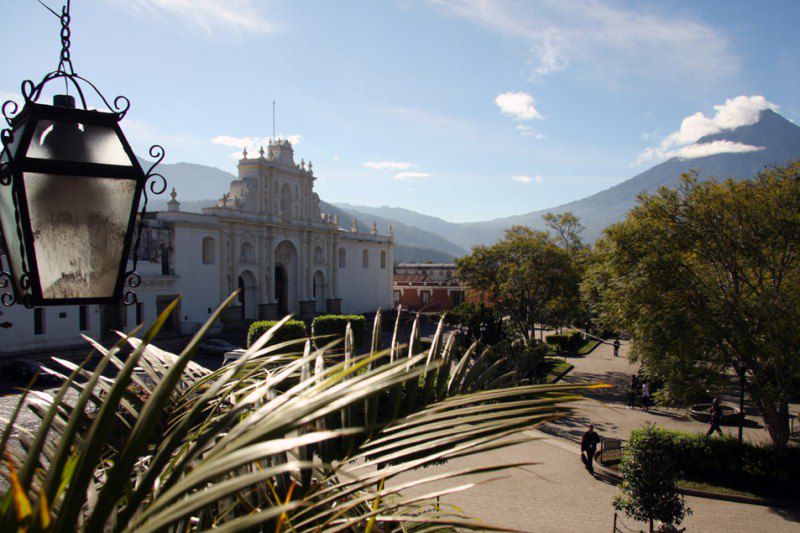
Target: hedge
x=337 y=325
x=566 y=343
x=758 y=468
x=292 y=329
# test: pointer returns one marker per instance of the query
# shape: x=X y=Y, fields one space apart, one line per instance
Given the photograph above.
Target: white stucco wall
x=364 y=290
x=61 y=328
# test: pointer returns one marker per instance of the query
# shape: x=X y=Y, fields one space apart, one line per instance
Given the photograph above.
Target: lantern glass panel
x=79 y=226
x=83 y=143
x=9 y=227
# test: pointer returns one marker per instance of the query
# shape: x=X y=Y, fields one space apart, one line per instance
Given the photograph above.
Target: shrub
x=291 y=330
x=337 y=325
x=567 y=342
x=478 y=322
x=648 y=488
x=758 y=468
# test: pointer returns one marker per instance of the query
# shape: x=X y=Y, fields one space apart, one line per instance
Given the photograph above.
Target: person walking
x=589 y=444
x=616 y=347
x=646 y=395
x=633 y=388
x=716 y=418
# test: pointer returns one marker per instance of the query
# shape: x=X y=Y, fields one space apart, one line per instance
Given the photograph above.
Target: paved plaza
x=558 y=495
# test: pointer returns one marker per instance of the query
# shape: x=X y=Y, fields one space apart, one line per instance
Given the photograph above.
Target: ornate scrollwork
x=6 y=298
x=132 y=280
x=156 y=184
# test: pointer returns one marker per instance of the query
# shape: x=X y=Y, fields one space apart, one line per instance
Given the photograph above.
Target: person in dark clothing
x=716 y=418
x=633 y=388
x=616 y=347
x=589 y=444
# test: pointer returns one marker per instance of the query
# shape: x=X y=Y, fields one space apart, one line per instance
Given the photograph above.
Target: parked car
x=23 y=372
x=216 y=346
x=231 y=356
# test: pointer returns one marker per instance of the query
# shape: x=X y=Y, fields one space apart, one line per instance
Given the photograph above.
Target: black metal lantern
x=70 y=188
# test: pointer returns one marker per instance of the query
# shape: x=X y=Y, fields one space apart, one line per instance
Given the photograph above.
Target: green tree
x=524 y=273
x=567 y=228
x=648 y=490
x=705 y=278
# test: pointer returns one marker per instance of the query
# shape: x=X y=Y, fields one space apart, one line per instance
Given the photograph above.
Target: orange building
x=427 y=286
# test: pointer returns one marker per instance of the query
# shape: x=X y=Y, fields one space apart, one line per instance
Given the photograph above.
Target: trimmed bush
x=567 y=342
x=292 y=329
x=758 y=468
x=337 y=325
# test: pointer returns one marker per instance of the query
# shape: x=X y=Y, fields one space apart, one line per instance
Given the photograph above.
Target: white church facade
x=266 y=236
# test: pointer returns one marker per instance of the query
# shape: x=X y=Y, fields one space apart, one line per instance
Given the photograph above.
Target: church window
x=209 y=250
x=247 y=255
x=165 y=261
x=425 y=296
x=396 y=297
x=318 y=256
x=286 y=202
x=342 y=257
x=383 y=260
x=365 y=258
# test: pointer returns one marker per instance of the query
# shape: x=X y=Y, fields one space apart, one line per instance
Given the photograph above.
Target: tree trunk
x=776 y=418
x=651 y=524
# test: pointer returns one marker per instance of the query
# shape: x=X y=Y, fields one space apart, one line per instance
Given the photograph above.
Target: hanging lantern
x=70 y=188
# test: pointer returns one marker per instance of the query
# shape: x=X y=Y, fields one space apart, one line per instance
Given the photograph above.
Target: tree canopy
x=525 y=273
x=705 y=278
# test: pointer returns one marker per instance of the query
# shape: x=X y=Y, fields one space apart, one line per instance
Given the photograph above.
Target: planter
x=731 y=415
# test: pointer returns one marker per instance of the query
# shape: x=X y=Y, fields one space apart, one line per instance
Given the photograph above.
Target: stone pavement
x=558 y=495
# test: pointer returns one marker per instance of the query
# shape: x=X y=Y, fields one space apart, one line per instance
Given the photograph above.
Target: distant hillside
x=193 y=182
x=779 y=137
x=418 y=242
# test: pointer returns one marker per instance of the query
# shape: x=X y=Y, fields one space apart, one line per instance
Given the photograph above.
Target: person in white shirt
x=645 y=395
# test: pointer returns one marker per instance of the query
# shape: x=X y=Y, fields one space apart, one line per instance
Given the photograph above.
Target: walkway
x=558 y=495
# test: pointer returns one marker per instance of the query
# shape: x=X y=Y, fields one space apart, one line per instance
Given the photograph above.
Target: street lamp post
x=742 y=368
x=70 y=190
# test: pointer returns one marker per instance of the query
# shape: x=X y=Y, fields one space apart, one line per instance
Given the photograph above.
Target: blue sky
x=463 y=109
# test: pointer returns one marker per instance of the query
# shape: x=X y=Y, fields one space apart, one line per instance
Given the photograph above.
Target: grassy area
x=587 y=347
x=556 y=370
x=700 y=485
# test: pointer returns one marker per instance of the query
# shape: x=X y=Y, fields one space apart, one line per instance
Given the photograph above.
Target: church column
x=335 y=281
x=234 y=261
x=262 y=269
x=309 y=267
x=301 y=267
x=223 y=265
x=271 y=265
x=270 y=195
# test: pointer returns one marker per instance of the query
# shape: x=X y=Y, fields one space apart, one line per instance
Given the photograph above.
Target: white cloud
x=528 y=131
x=336 y=158
x=252 y=144
x=734 y=113
x=520 y=106
x=294 y=139
x=607 y=39
x=521 y=178
x=387 y=165
x=410 y=175
x=715 y=147
x=211 y=17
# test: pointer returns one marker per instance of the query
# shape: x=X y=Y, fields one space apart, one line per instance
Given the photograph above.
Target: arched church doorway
x=287 y=292
x=248 y=295
x=319 y=291
x=280 y=291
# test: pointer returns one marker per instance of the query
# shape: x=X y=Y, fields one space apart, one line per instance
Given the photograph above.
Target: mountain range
x=422 y=237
